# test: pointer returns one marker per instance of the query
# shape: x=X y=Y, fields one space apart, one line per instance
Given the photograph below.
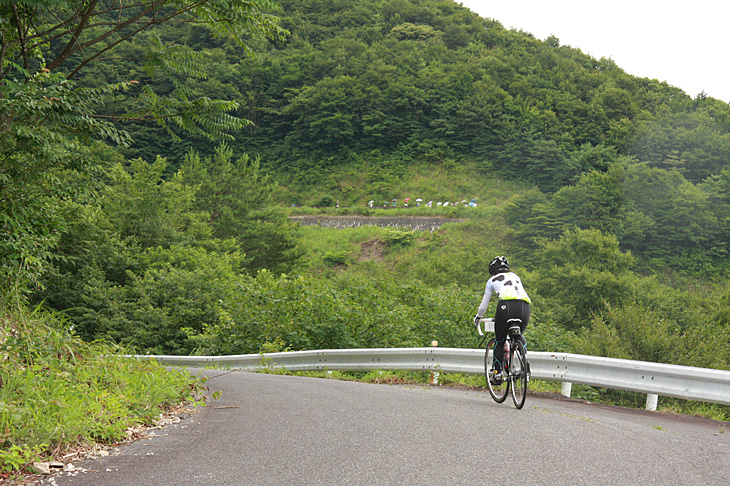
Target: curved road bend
x=282 y=430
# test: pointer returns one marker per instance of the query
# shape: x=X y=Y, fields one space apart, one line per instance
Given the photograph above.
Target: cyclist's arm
x=485 y=300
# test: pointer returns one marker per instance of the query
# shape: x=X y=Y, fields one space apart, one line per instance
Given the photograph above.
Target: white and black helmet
x=498 y=265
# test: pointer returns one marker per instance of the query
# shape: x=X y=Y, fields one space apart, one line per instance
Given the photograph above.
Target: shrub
x=58 y=391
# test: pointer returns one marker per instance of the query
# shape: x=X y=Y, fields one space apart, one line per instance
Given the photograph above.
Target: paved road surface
x=280 y=430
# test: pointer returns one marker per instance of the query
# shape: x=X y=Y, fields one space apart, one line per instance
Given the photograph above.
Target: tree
x=48 y=34
x=148 y=211
x=327 y=114
x=45 y=135
x=539 y=160
x=175 y=294
x=595 y=201
x=48 y=122
x=409 y=31
x=236 y=196
x=631 y=331
x=533 y=217
x=678 y=213
x=584 y=273
x=67 y=36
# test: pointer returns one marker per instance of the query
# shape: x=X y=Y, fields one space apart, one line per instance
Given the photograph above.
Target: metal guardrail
x=654 y=379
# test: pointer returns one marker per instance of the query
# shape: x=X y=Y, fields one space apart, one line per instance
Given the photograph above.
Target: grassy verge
x=58 y=393
x=629 y=399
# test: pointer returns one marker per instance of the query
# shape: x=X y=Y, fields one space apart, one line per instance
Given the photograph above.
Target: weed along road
x=282 y=430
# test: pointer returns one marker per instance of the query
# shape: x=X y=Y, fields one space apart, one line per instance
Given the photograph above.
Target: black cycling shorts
x=508 y=309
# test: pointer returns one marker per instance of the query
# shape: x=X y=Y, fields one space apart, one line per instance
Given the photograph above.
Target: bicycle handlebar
x=488 y=323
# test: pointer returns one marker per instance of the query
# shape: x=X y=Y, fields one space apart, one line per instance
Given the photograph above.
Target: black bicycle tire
x=518 y=380
x=504 y=388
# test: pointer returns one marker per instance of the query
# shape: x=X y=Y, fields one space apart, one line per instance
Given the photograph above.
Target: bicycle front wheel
x=498 y=391
x=518 y=375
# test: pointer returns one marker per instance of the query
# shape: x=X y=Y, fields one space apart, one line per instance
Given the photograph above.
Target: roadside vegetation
x=60 y=395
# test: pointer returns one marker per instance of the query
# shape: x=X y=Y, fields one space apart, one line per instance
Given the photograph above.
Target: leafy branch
x=93 y=27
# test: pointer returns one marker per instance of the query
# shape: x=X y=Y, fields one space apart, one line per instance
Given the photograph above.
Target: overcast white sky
x=685 y=43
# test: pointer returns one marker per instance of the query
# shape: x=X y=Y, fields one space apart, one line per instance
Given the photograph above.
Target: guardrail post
x=434 y=377
x=434 y=374
x=565 y=389
x=651 y=402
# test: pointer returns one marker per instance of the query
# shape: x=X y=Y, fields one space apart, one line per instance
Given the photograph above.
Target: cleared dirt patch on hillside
x=373 y=251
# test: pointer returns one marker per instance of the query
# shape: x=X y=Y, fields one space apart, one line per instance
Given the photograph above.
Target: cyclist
x=513 y=303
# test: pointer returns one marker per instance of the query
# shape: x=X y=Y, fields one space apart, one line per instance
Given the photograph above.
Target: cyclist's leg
x=524 y=310
x=500 y=333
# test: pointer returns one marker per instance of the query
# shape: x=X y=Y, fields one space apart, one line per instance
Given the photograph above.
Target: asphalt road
x=282 y=430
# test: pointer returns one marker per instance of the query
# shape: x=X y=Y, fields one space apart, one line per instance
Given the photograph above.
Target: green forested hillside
x=429 y=79
x=363 y=93
x=149 y=224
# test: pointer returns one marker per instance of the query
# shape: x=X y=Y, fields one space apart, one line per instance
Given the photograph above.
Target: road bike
x=514 y=370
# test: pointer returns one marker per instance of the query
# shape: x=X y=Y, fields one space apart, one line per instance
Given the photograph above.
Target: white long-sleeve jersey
x=507 y=286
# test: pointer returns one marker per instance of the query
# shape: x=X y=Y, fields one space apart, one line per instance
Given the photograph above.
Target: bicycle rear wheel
x=518 y=374
x=498 y=391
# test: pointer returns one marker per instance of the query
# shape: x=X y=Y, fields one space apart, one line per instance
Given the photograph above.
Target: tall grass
x=353 y=185
x=57 y=392
x=322 y=243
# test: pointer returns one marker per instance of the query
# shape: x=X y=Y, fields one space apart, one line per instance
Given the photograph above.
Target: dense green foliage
x=375 y=99
x=78 y=221
x=363 y=100
x=353 y=310
x=51 y=125
x=148 y=260
x=427 y=78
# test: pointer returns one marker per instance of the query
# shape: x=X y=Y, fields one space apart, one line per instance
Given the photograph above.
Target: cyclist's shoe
x=529 y=374
x=495 y=377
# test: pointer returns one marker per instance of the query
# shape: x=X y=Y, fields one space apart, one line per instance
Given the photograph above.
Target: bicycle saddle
x=514 y=327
